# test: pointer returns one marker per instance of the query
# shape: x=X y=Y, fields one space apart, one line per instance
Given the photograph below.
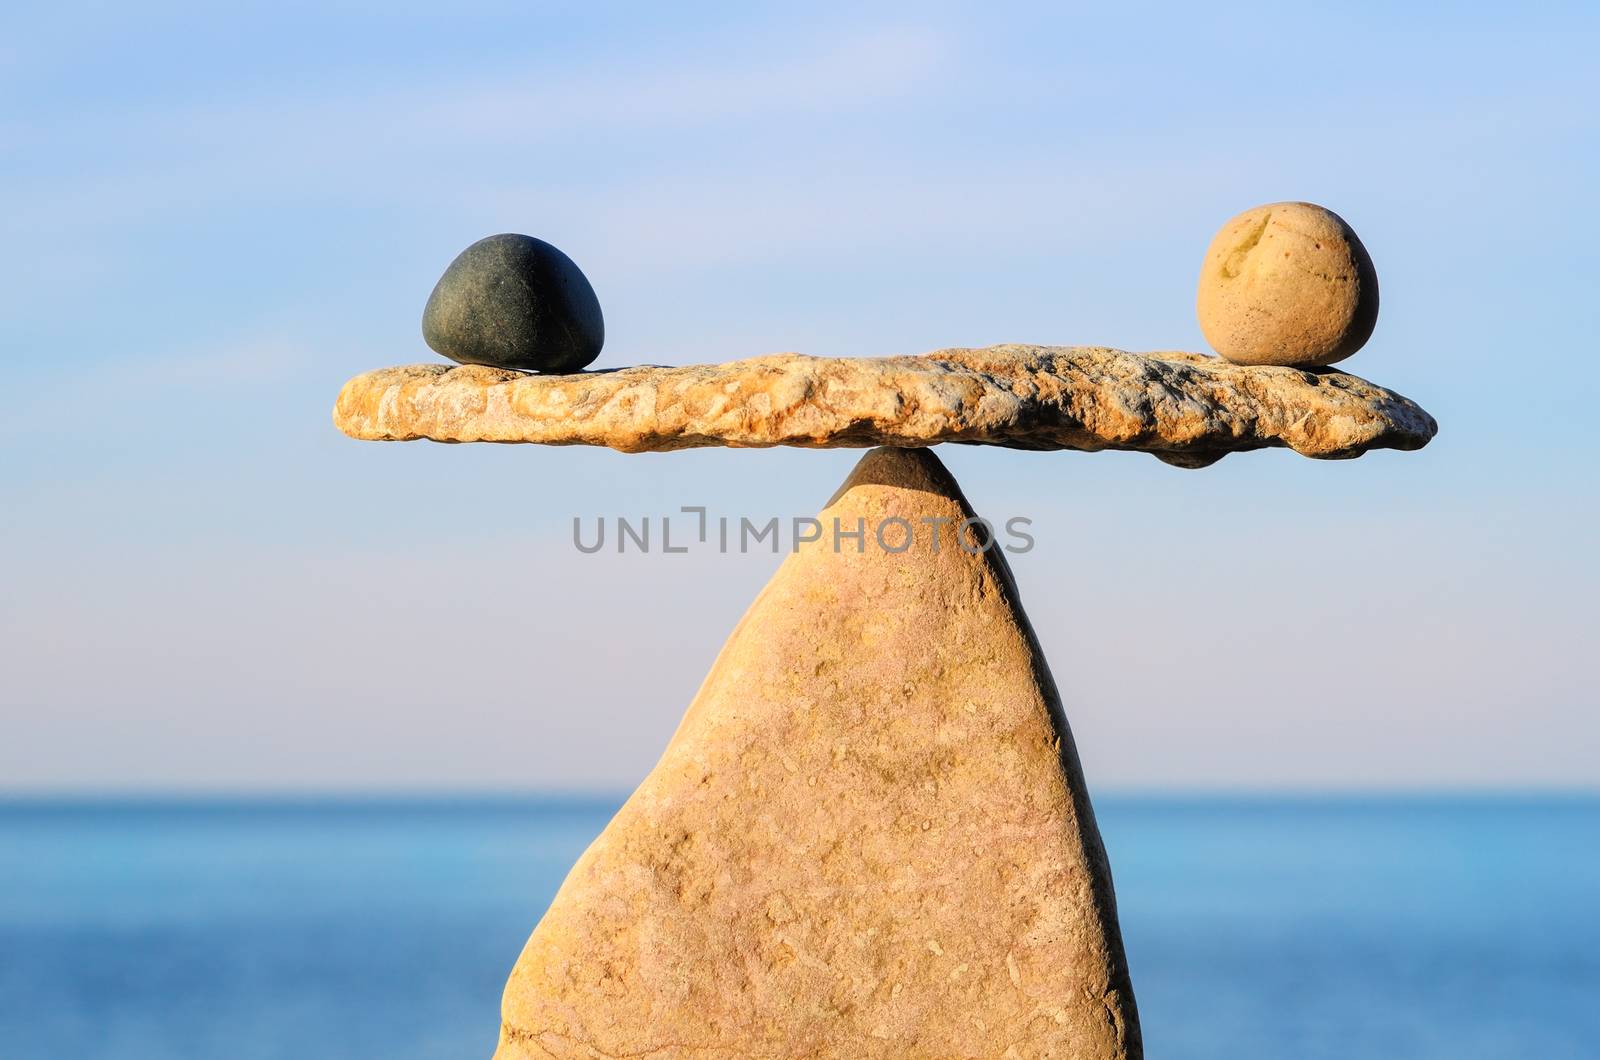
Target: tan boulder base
x=1287 y=284
x=1187 y=409
x=869 y=837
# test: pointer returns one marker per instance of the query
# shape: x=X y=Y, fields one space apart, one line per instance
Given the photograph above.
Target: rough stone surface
x=1287 y=284
x=869 y=837
x=1187 y=409
x=512 y=301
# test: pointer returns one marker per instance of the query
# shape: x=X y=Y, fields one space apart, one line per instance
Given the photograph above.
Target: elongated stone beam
x=1187 y=409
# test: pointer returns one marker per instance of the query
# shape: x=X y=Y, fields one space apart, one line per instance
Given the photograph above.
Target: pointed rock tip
x=912 y=469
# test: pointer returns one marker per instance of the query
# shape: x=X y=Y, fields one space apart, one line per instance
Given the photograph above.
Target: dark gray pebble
x=512 y=301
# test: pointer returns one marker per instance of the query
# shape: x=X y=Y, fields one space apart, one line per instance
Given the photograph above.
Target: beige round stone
x=1288 y=283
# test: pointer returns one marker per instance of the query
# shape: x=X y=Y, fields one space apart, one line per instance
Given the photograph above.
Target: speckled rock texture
x=1288 y=283
x=1187 y=409
x=869 y=837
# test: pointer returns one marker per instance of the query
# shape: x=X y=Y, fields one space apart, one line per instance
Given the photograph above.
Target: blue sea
x=1437 y=928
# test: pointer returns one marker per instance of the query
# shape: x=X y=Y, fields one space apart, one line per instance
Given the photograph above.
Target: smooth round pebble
x=1288 y=283
x=513 y=301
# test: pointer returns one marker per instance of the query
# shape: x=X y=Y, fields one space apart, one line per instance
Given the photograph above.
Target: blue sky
x=212 y=219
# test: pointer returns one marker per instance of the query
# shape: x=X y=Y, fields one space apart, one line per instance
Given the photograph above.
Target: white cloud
x=849 y=74
x=821 y=77
x=402 y=144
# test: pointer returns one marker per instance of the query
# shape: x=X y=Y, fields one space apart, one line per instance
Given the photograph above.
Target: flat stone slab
x=1187 y=409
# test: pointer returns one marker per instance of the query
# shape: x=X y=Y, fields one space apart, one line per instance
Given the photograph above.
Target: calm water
x=1256 y=928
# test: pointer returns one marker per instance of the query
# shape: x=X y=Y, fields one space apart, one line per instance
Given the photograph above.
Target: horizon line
x=133 y=798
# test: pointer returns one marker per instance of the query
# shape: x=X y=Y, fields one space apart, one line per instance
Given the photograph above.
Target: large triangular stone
x=869 y=836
